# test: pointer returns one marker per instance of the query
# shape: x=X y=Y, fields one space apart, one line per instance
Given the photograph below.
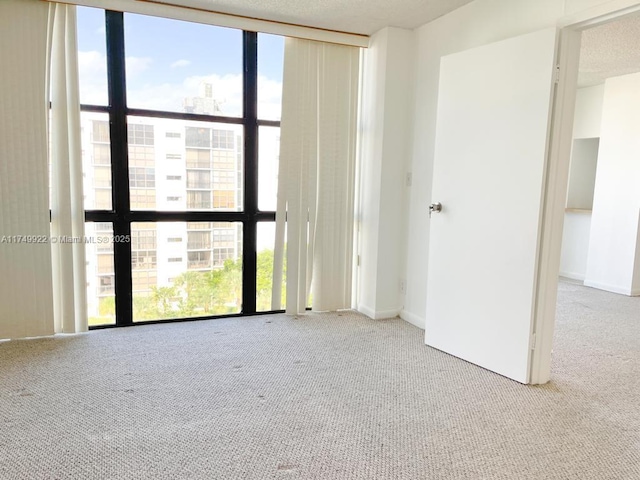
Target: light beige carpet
x=320 y=397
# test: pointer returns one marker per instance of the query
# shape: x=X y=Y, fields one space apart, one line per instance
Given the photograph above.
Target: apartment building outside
x=174 y=165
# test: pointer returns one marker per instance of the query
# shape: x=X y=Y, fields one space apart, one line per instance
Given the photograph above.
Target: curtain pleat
x=316 y=179
x=67 y=209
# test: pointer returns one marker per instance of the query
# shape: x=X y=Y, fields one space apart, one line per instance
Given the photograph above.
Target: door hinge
x=557 y=74
x=533 y=341
x=358 y=260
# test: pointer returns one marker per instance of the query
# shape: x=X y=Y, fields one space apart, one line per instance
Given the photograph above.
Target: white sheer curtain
x=316 y=179
x=67 y=209
x=25 y=261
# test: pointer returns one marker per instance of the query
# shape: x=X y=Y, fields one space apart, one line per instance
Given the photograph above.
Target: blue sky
x=168 y=59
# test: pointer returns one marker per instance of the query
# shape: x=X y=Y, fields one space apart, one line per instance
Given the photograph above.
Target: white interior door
x=492 y=134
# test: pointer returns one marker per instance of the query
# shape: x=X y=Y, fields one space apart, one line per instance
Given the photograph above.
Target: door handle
x=435 y=208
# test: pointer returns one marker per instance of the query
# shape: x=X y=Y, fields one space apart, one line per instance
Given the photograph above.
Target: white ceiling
x=610 y=50
x=353 y=16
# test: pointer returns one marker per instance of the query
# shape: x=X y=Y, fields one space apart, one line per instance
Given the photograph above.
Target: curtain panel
x=67 y=203
x=26 y=305
x=316 y=179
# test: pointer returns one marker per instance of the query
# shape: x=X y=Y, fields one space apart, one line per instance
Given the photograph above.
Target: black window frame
x=121 y=216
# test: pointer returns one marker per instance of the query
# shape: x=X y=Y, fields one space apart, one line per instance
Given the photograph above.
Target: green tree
x=157 y=305
x=264 y=280
x=107 y=307
x=144 y=308
x=196 y=295
x=163 y=298
x=226 y=284
x=106 y=311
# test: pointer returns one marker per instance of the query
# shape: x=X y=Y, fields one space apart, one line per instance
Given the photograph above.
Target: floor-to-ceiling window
x=180 y=137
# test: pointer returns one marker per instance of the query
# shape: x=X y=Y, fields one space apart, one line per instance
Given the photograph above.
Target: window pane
x=186 y=269
x=140 y=134
x=142 y=177
x=180 y=66
x=197 y=167
x=268 y=162
x=270 y=65
x=199 y=179
x=264 y=282
x=100 y=274
x=96 y=160
x=92 y=57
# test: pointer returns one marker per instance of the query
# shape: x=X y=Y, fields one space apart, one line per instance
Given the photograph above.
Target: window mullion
x=119 y=166
x=250 y=90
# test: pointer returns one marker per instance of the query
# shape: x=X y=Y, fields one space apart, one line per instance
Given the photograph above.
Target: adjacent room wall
x=582 y=176
x=613 y=263
x=577 y=224
x=575 y=245
x=588 y=114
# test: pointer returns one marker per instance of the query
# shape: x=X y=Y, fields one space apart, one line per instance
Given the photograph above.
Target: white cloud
x=269 y=98
x=180 y=63
x=92 y=61
x=101 y=30
x=227 y=89
x=137 y=65
x=92 y=72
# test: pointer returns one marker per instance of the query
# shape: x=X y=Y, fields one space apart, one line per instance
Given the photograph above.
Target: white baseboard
x=377 y=315
x=573 y=276
x=366 y=311
x=612 y=288
x=413 y=319
x=382 y=314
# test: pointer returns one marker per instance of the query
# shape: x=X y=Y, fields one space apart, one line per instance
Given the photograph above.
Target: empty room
x=341 y=240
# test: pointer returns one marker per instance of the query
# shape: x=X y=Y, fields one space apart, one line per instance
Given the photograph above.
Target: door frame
x=557 y=175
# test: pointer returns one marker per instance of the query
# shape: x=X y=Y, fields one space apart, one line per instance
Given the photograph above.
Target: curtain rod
x=210 y=17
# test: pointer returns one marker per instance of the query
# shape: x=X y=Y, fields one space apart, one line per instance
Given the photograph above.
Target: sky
x=168 y=60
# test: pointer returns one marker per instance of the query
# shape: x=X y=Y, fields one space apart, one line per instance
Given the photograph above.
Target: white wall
x=577 y=225
x=582 y=174
x=385 y=147
x=370 y=128
x=575 y=245
x=613 y=262
x=577 y=218
x=478 y=23
x=588 y=114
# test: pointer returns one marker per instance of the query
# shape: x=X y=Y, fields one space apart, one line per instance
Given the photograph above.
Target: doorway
x=599 y=259
x=600 y=239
